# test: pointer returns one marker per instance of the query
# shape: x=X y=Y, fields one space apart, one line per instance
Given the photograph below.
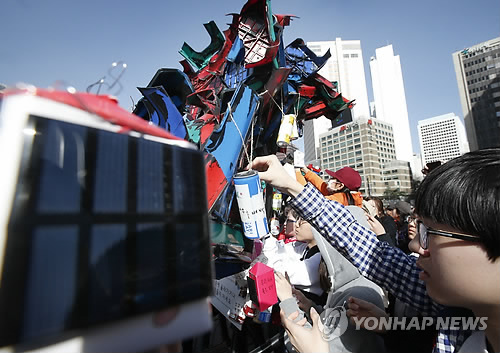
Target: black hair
x=289 y=208
x=465 y=194
x=324 y=280
x=284 y=215
x=347 y=193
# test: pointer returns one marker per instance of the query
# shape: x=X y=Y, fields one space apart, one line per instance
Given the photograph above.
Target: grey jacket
x=346 y=281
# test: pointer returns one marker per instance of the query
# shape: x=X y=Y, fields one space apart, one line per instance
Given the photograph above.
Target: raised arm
x=388 y=267
x=316 y=180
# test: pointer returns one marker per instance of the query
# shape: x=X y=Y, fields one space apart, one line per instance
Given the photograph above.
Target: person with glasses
x=297 y=255
x=458 y=243
x=303 y=273
x=339 y=282
x=401 y=212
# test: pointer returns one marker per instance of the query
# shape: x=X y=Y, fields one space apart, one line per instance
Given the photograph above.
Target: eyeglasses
x=410 y=218
x=423 y=233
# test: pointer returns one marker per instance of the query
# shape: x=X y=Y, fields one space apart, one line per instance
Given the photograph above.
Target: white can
x=251 y=204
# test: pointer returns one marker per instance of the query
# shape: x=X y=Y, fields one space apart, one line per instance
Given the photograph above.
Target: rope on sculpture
x=239 y=131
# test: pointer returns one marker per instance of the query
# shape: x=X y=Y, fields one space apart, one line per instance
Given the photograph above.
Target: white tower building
x=345 y=66
x=442 y=138
x=390 y=99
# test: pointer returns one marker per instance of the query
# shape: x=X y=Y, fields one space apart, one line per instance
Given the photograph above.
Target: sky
x=60 y=43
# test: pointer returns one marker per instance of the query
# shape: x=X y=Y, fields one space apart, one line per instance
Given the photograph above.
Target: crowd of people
x=440 y=258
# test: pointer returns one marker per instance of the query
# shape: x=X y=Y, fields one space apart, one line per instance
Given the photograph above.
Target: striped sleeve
x=387 y=266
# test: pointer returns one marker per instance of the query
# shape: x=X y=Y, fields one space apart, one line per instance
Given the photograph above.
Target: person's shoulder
x=388 y=220
x=314 y=252
x=339 y=197
x=357 y=197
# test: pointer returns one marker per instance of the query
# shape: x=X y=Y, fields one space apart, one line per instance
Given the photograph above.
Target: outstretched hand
x=272 y=172
x=304 y=303
x=375 y=226
x=361 y=310
x=302 y=338
x=283 y=286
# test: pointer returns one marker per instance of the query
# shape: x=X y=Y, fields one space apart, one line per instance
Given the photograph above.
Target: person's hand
x=272 y=172
x=283 y=286
x=361 y=310
x=302 y=338
x=375 y=225
x=305 y=170
x=304 y=303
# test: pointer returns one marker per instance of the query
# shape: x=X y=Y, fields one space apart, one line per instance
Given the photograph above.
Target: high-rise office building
x=345 y=66
x=442 y=138
x=390 y=99
x=416 y=167
x=478 y=76
x=366 y=145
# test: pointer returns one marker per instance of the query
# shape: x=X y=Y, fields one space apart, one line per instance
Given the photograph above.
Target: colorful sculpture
x=233 y=95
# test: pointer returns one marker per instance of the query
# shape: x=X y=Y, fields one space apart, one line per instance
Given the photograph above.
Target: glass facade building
x=478 y=76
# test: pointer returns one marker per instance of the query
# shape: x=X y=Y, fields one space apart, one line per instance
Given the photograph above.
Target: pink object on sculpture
x=265 y=287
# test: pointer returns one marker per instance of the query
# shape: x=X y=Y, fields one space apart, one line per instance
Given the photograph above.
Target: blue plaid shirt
x=385 y=265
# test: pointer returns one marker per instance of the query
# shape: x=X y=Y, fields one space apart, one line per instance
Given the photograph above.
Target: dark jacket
x=390 y=229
